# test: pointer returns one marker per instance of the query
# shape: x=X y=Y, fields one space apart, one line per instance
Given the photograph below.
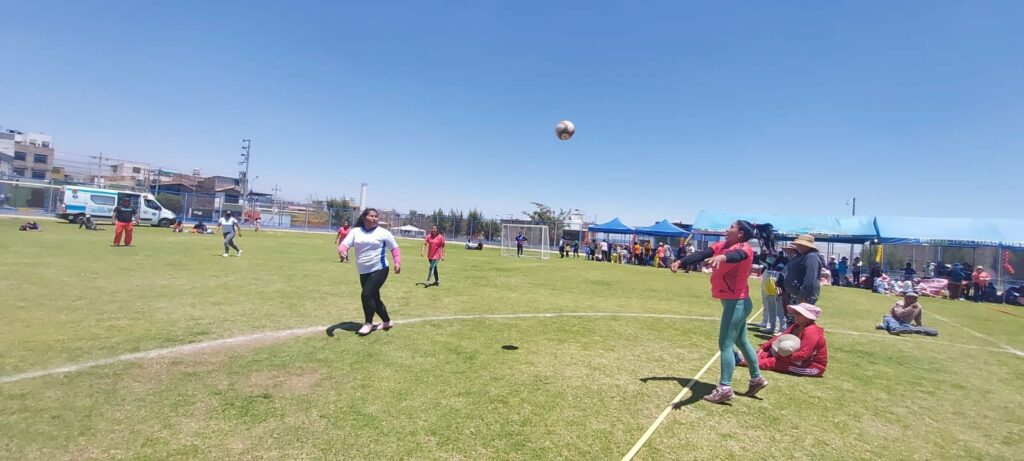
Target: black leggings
x=371 y=283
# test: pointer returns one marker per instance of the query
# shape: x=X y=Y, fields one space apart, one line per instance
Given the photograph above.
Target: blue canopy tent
x=662 y=229
x=954 y=232
x=849 y=229
x=611 y=227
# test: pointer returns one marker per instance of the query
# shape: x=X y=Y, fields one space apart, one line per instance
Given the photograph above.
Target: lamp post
x=852 y=203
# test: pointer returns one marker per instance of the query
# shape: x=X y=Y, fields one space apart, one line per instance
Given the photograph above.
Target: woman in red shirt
x=730 y=261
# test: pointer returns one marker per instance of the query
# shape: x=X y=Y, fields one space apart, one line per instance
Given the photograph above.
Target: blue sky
x=915 y=108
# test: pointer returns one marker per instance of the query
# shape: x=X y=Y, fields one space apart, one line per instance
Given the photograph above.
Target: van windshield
x=152 y=205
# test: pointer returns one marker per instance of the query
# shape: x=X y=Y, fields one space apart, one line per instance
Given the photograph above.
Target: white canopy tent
x=409 y=230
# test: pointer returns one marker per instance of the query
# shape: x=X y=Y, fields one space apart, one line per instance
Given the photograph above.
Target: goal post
x=534 y=240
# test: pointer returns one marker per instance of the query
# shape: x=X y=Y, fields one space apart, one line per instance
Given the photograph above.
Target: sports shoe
x=720 y=394
x=225 y=255
x=437 y=284
x=761 y=325
x=879 y=327
x=365 y=329
x=387 y=325
x=239 y=253
x=756 y=385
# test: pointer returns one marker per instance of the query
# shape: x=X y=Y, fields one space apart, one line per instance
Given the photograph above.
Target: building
x=6 y=163
x=127 y=174
x=33 y=155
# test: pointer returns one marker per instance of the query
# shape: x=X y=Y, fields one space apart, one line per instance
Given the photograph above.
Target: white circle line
x=195 y=347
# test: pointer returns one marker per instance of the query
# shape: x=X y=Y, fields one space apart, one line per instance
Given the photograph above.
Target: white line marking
x=927 y=340
x=188 y=348
x=679 y=398
x=975 y=333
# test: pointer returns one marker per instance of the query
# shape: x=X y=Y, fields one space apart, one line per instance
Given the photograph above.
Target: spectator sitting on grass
x=88 y=224
x=30 y=226
x=902 y=314
x=810 y=359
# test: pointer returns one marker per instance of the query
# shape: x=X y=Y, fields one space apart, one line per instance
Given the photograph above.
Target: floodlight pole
x=853 y=212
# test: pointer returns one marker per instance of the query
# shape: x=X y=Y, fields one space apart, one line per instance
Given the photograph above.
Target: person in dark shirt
x=199 y=227
x=29 y=226
x=125 y=216
x=909 y=272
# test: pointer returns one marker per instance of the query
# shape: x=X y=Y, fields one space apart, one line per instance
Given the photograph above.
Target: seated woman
x=177 y=226
x=812 y=357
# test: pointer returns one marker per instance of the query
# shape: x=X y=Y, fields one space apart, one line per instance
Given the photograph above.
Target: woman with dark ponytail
x=730 y=261
x=371 y=243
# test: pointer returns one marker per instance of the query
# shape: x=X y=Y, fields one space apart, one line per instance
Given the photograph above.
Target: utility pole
x=245 y=175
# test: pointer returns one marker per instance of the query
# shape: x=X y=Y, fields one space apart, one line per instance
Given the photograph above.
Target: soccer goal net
x=525 y=240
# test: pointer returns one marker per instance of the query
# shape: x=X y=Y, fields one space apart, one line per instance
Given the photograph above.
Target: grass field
x=577 y=387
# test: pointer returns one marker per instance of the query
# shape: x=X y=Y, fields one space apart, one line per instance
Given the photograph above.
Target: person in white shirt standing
x=371 y=243
x=229 y=226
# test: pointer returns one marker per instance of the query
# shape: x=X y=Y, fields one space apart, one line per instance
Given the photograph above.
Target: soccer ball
x=564 y=130
x=785 y=345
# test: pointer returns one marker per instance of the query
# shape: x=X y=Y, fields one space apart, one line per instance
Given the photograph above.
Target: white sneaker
x=225 y=255
x=239 y=253
x=365 y=329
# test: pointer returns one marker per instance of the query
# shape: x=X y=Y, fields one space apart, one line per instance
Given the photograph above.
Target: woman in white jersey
x=371 y=243
x=229 y=226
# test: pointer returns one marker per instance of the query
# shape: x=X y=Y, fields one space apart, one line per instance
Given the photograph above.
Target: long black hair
x=360 y=221
x=764 y=233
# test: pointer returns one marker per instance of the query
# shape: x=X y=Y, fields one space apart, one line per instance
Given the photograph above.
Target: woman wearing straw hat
x=731 y=261
x=802 y=282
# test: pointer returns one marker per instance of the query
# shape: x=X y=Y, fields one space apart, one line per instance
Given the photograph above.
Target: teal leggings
x=733 y=332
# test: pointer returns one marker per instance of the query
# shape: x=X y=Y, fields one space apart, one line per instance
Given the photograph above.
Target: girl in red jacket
x=812 y=357
x=730 y=261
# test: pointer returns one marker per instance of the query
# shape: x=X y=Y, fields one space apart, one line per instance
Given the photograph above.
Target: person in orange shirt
x=980 y=279
x=636 y=253
x=661 y=255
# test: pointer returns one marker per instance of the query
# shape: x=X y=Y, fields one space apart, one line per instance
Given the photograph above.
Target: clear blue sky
x=917 y=108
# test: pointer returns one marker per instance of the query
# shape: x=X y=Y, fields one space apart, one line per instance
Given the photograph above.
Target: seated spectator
x=902 y=314
x=1014 y=296
x=908 y=272
x=812 y=357
x=177 y=226
x=88 y=224
x=881 y=284
x=30 y=226
x=200 y=228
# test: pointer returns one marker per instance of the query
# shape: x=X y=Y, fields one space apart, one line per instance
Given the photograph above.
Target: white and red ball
x=564 y=130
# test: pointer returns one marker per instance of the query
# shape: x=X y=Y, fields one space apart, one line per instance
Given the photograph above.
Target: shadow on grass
x=346 y=326
x=698 y=390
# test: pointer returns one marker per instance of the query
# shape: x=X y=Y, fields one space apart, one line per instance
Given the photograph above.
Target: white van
x=75 y=202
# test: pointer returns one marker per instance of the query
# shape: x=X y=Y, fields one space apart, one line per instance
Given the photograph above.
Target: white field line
x=926 y=340
x=664 y=413
x=975 y=333
x=195 y=347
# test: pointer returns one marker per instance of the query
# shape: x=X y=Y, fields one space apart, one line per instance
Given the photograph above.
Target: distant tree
x=545 y=215
x=170 y=201
x=439 y=219
x=341 y=210
x=456 y=219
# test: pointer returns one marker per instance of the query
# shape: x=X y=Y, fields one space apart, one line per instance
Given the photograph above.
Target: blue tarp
x=611 y=227
x=849 y=229
x=954 y=232
x=662 y=229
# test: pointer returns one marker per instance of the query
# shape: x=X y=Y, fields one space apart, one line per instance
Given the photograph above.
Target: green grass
x=445 y=389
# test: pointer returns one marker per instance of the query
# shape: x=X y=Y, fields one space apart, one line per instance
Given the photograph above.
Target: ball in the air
x=785 y=345
x=564 y=130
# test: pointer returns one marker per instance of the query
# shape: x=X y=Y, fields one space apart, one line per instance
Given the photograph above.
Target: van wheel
x=78 y=219
x=164 y=223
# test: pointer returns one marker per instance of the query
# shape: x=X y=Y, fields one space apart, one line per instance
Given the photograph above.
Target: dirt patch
x=290 y=382
x=157 y=370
